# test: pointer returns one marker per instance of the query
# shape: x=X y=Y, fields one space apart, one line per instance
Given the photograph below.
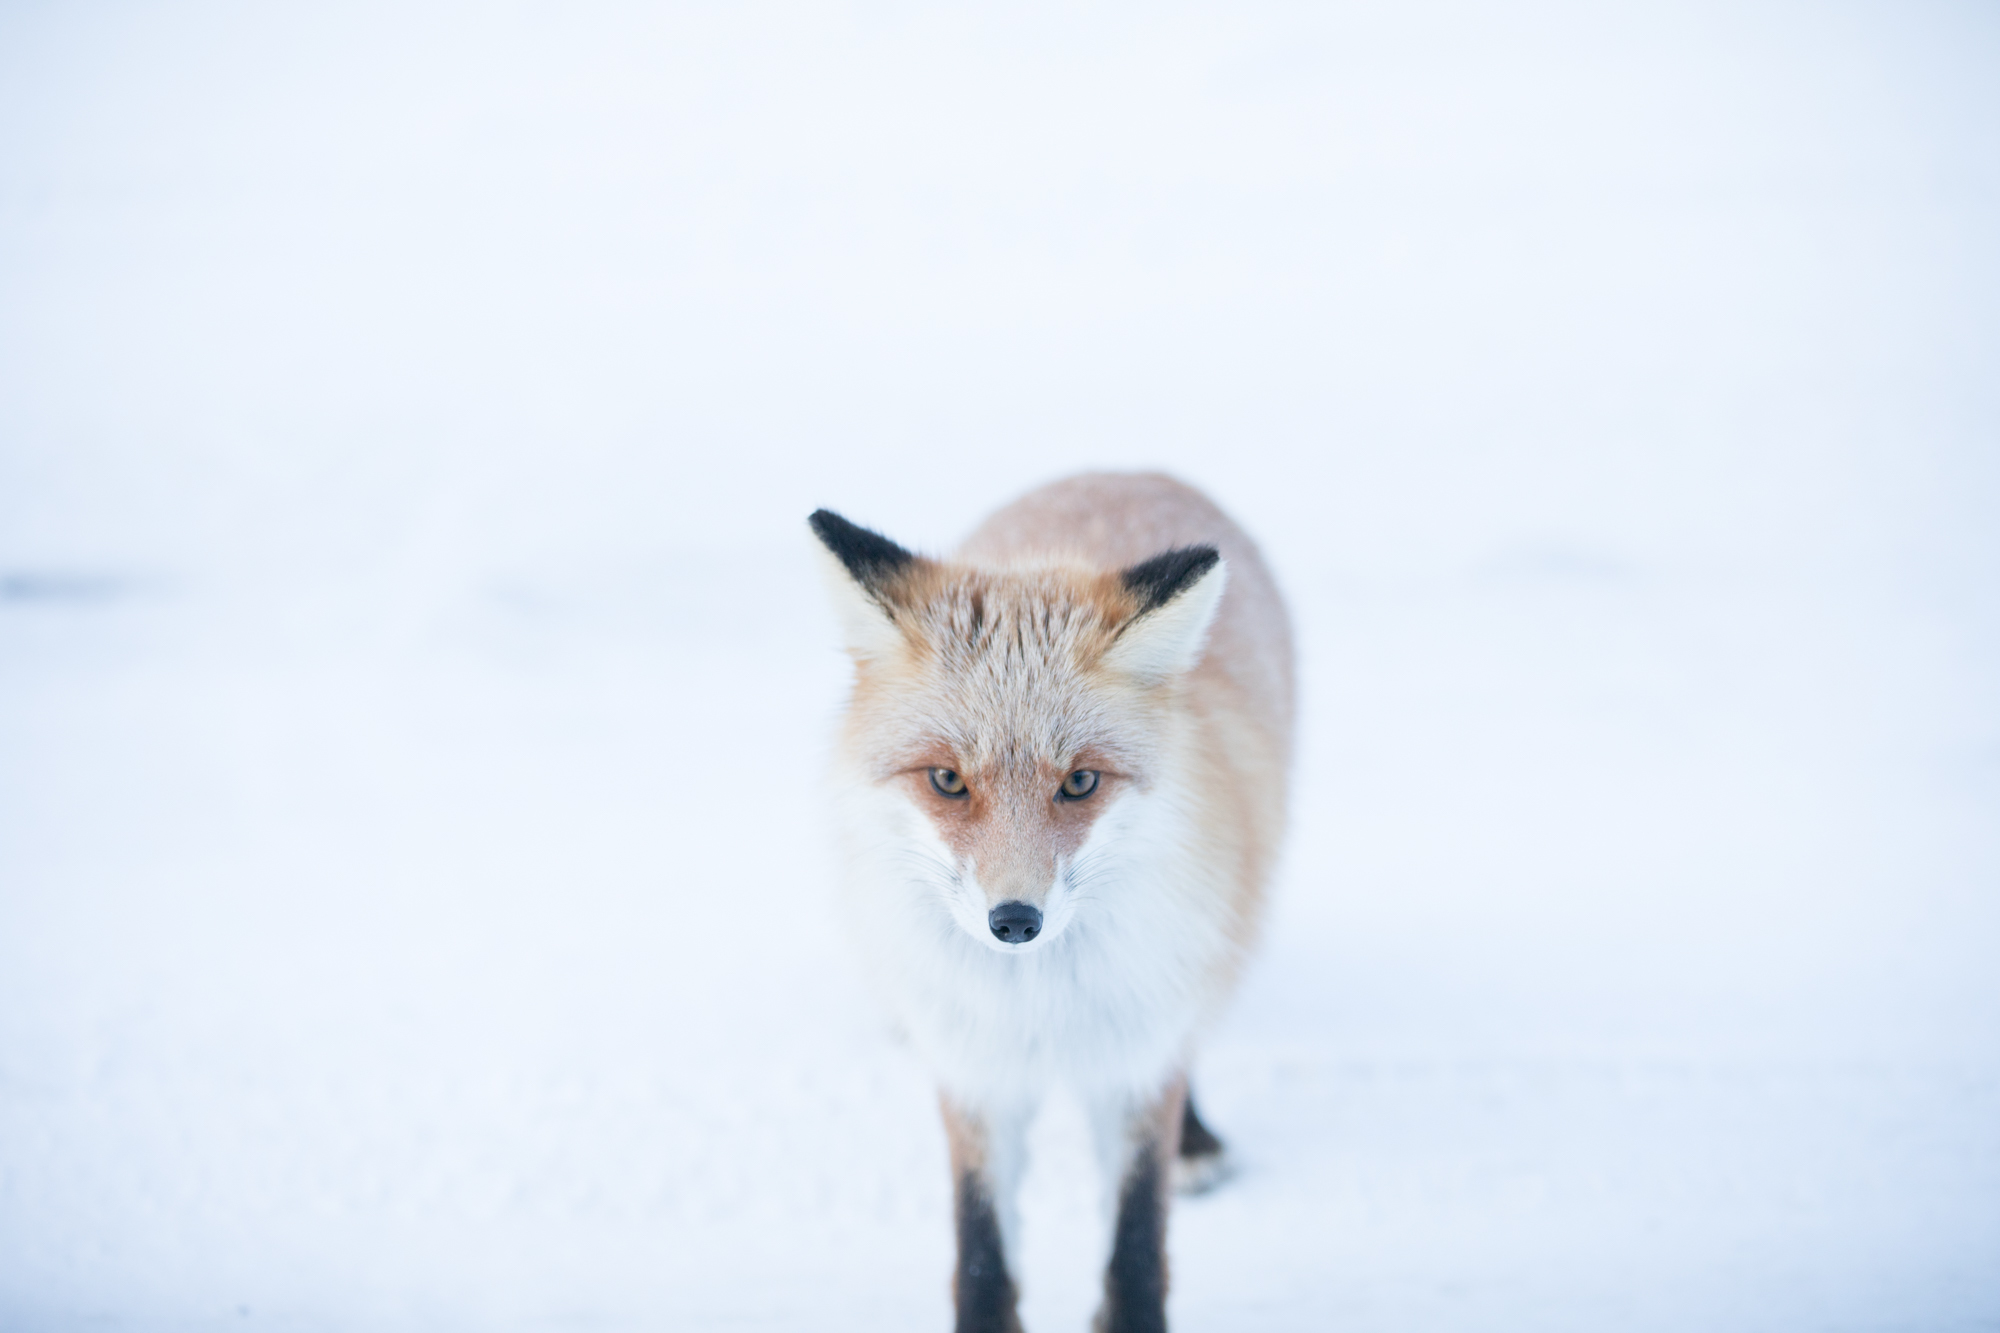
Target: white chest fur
x=1134 y=956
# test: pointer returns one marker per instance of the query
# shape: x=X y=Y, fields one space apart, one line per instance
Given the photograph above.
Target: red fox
x=1060 y=785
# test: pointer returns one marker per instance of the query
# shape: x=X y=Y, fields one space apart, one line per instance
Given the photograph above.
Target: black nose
x=1015 y=923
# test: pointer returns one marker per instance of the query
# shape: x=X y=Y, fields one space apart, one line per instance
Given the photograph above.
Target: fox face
x=1009 y=721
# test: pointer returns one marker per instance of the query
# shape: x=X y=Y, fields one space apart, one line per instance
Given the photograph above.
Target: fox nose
x=1015 y=923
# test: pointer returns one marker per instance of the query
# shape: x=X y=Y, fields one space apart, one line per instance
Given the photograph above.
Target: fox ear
x=1178 y=594
x=860 y=566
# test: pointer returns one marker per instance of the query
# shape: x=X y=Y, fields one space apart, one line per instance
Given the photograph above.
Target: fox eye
x=1079 y=785
x=947 y=783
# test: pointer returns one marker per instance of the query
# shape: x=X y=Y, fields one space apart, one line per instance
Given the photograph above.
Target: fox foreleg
x=988 y=1155
x=1137 y=1143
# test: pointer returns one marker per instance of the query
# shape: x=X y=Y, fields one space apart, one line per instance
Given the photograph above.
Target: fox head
x=1004 y=715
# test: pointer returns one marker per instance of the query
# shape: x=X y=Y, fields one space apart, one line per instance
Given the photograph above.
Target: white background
x=414 y=910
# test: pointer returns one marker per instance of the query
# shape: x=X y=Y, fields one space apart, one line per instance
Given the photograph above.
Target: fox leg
x=1137 y=1143
x=988 y=1154
x=1203 y=1161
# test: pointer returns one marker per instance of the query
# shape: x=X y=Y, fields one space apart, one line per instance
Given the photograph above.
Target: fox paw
x=1200 y=1174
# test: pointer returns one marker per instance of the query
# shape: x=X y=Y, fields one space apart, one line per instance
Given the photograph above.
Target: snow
x=414 y=910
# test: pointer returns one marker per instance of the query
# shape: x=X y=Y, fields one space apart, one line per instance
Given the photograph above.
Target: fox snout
x=1015 y=922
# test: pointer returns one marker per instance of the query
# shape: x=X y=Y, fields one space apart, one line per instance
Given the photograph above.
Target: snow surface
x=413 y=686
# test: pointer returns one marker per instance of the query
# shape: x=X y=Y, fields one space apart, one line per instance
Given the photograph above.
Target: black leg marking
x=1197 y=1140
x=1135 y=1285
x=982 y=1290
x=1202 y=1162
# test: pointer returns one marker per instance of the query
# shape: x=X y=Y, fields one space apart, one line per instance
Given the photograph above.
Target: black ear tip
x=868 y=555
x=1158 y=581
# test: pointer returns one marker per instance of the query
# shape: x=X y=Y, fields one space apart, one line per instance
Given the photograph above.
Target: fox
x=1059 y=786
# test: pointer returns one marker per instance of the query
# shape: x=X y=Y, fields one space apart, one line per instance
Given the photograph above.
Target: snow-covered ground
x=413 y=685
